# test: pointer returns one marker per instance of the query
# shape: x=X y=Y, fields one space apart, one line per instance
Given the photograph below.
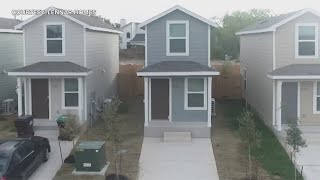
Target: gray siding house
x=70 y=62
x=11 y=56
x=177 y=74
x=280 y=65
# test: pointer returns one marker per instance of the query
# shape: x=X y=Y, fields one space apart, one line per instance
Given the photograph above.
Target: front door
x=40 y=98
x=289 y=102
x=159 y=99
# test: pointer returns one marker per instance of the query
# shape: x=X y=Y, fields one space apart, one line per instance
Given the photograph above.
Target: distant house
x=70 y=64
x=132 y=35
x=177 y=74
x=11 y=56
x=280 y=65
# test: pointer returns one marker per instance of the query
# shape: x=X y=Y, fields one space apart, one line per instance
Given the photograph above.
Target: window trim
x=45 y=39
x=64 y=96
x=316 y=41
x=168 y=38
x=187 y=92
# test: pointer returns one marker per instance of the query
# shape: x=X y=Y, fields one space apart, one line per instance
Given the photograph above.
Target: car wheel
x=45 y=155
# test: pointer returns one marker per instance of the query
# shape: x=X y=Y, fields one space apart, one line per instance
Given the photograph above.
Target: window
x=71 y=93
x=306 y=41
x=177 y=38
x=316 y=96
x=128 y=35
x=244 y=77
x=54 y=39
x=195 y=94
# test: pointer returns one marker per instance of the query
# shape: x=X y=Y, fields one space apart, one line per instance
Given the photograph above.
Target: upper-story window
x=177 y=38
x=307 y=41
x=54 y=39
x=128 y=35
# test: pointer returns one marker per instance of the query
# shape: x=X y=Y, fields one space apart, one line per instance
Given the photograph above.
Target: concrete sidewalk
x=177 y=160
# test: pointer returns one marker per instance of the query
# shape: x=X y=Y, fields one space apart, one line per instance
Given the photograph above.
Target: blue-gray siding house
x=177 y=73
x=70 y=62
x=11 y=56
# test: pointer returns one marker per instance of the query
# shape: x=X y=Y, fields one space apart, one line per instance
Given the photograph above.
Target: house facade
x=11 y=56
x=177 y=74
x=70 y=64
x=132 y=35
x=280 y=66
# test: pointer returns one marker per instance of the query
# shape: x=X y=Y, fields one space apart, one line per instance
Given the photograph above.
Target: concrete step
x=177 y=137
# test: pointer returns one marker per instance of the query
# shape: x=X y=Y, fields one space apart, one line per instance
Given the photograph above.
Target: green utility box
x=90 y=156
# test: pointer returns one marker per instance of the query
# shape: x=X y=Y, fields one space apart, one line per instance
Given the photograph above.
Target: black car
x=21 y=156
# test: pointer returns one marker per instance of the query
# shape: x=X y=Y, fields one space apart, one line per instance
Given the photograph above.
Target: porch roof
x=51 y=68
x=296 y=71
x=178 y=68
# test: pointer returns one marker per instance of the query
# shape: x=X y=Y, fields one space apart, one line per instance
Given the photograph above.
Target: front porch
x=296 y=95
x=46 y=93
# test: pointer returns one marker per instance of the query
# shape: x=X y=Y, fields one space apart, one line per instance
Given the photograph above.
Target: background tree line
x=224 y=41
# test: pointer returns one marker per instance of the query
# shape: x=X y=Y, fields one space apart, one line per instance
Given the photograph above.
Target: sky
x=141 y=10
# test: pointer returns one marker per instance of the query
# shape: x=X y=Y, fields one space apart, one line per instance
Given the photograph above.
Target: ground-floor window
x=316 y=95
x=71 y=92
x=195 y=94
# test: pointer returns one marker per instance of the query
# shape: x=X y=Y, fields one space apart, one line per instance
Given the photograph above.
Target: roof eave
x=293 y=77
x=49 y=74
x=166 y=74
x=10 y=31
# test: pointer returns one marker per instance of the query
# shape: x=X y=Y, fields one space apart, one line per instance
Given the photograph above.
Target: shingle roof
x=178 y=66
x=93 y=21
x=297 y=70
x=53 y=66
x=6 y=23
x=138 y=38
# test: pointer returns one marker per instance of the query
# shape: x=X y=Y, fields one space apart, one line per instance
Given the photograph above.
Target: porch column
x=19 y=93
x=146 y=101
x=278 y=104
x=80 y=98
x=26 y=98
x=209 y=100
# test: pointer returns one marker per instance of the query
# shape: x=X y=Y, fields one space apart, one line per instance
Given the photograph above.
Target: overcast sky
x=140 y=10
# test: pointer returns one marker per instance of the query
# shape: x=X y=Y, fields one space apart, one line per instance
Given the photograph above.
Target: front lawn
x=271 y=155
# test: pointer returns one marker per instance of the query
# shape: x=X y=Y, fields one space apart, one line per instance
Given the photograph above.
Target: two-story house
x=132 y=35
x=281 y=68
x=177 y=73
x=11 y=55
x=70 y=62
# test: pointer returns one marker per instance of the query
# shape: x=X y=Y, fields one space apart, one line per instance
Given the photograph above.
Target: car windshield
x=3 y=163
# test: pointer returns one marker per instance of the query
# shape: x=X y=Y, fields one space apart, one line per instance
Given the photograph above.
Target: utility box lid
x=91 y=144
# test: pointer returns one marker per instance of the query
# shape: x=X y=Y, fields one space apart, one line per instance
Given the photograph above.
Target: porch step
x=177 y=136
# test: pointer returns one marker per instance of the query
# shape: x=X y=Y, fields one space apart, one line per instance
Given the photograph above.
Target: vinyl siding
x=198 y=40
x=306 y=104
x=11 y=57
x=285 y=42
x=179 y=114
x=103 y=59
x=256 y=55
x=74 y=44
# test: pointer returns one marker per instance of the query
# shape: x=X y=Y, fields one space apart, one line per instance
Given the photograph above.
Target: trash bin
x=61 y=121
x=24 y=126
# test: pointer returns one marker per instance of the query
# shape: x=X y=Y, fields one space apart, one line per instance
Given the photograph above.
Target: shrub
x=123 y=108
x=70 y=129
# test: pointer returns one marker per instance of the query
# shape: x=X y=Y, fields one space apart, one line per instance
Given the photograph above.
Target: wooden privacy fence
x=225 y=86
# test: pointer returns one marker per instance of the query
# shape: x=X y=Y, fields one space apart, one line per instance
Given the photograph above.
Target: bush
x=123 y=108
x=70 y=130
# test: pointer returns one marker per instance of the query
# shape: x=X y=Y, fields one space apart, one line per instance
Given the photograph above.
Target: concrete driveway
x=177 y=160
x=48 y=169
x=308 y=158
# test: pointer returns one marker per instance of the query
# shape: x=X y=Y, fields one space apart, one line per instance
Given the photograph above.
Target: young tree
x=110 y=129
x=249 y=134
x=295 y=141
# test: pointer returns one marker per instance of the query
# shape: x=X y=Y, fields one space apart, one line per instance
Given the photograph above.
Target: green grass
x=271 y=155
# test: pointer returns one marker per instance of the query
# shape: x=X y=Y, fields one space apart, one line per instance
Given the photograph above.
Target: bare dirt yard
x=228 y=148
x=131 y=133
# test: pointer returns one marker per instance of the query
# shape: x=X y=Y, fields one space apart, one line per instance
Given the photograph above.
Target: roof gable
x=88 y=22
x=211 y=23
x=273 y=23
